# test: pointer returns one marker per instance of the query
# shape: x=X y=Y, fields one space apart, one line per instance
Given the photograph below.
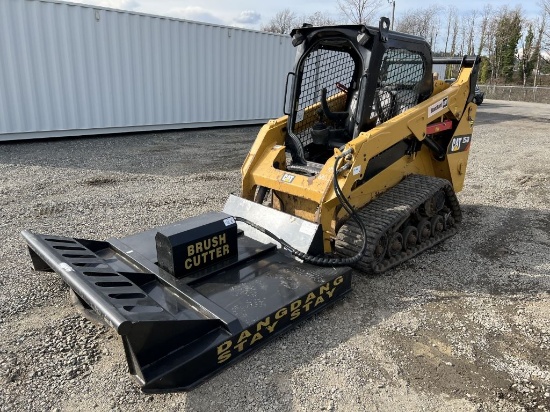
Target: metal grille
x=400 y=73
x=322 y=69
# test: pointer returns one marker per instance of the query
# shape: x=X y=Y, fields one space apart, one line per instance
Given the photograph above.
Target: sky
x=253 y=13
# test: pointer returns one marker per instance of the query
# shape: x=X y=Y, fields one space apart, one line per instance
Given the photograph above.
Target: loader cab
x=347 y=80
x=325 y=93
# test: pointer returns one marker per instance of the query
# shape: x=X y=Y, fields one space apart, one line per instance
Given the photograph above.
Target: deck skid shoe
x=184 y=319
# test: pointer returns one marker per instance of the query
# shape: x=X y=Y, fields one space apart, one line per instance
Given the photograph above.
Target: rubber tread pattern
x=390 y=209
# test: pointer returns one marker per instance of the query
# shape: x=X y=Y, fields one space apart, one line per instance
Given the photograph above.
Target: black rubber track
x=382 y=215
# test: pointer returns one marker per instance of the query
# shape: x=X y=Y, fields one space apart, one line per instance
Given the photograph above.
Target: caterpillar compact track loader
x=361 y=172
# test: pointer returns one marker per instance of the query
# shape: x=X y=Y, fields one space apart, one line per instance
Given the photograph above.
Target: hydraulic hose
x=323 y=260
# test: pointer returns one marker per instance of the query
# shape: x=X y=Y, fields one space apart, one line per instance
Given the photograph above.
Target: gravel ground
x=462 y=327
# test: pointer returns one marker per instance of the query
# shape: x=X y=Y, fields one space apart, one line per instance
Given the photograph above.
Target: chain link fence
x=517 y=93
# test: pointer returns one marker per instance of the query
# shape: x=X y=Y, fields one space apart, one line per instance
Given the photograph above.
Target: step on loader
x=361 y=172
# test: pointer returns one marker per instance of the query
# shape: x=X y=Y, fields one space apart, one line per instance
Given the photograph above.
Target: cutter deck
x=178 y=331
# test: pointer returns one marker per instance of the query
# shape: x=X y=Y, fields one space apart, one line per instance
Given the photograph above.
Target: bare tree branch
x=485 y=20
x=283 y=22
x=319 y=19
x=452 y=12
x=359 y=11
x=422 y=22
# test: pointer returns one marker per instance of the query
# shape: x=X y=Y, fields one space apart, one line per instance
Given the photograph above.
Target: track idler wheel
x=410 y=237
x=433 y=205
x=395 y=244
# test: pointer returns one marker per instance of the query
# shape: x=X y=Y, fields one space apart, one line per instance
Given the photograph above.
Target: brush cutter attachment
x=189 y=299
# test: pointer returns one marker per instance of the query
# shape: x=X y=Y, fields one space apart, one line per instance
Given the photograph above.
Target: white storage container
x=70 y=69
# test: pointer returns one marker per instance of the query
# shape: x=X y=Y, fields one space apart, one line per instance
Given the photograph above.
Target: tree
x=454 y=36
x=490 y=45
x=359 y=11
x=463 y=34
x=545 y=34
x=454 y=39
x=527 y=59
x=421 y=22
x=538 y=45
x=485 y=21
x=485 y=70
x=472 y=18
x=508 y=33
x=452 y=13
x=283 y=22
x=319 y=19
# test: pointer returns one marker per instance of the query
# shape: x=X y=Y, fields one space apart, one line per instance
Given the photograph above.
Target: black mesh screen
x=322 y=69
x=400 y=73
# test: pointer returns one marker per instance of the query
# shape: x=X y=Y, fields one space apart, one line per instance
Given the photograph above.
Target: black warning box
x=196 y=243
